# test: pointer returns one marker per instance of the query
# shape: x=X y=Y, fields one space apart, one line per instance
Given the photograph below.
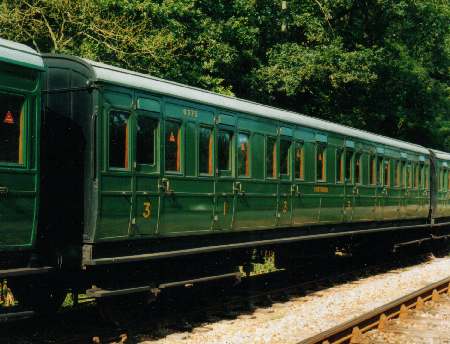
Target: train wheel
x=120 y=310
x=42 y=297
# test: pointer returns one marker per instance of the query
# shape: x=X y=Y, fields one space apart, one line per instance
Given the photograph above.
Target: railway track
x=174 y=313
x=420 y=317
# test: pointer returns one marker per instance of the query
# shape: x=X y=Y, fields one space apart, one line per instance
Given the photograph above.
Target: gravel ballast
x=303 y=317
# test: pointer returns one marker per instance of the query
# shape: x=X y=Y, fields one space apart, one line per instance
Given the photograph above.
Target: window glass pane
x=285 y=146
x=11 y=128
x=372 y=170
x=358 y=168
x=379 y=170
x=320 y=163
x=224 y=150
x=206 y=151
x=397 y=172
x=416 y=175
x=408 y=175
x=448 y=179
x=444 y=180
x=145 y=140
x=339 y=165
x=118 y=139
x=243 y=155
x=403 y=173
x=173 y=146
x=271 y=158
x=386 y=177
x=299 y=158
x=348 y=165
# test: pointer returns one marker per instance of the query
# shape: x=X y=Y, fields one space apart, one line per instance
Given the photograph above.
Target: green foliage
x=380 y=65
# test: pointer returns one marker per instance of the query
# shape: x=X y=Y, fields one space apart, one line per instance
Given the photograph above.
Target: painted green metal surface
x=19 y=179
x=147 y=201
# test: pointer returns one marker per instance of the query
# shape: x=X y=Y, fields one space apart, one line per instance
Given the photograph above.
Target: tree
x=379 y=65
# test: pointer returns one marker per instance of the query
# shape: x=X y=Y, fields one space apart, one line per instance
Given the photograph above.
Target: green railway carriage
x=441 y=181
x=20 y=85
x=141 y=182
x=169 y=170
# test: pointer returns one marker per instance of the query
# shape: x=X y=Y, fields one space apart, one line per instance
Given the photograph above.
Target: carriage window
x=243 y=155
x=320 y=163
x=409 y=175
x=379 y=170
x=445 y=179
x=358 y=168
x=416 y=176
x=372 y=171
x=206 y=151
x=224 y=150
x=397 y=172
x=118 y=139
x=427 y=175
x=299 y=161
x=173 y=146
x=145 y=140
x=271 y=158
x=285 y=157
x=420 y=172
x=348 y=165
x=339 y=165
x=11 y=128
x=387 y=173
x=403 y=173
x=448 y=179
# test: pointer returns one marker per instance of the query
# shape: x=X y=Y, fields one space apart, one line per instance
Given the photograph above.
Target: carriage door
x=286 y=187
x=18 y=180
x=115 y=218
x=187 y=191
x=147 y=119
x=226 y=189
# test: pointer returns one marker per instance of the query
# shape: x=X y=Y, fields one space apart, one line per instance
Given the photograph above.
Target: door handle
x=295 y=190
x=237 y=188
x=164 y=185
x=3 y=190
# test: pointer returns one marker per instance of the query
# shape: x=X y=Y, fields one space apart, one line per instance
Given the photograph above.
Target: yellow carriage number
x=147 y=213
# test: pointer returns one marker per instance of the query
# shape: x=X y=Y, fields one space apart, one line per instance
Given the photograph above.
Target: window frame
x=387 y=173
x=156 y=140
x=249 y=154
x=372 y=169
x=358 y=156
x=274 y=160
x=128 y=168
x=180 y=151
x=380 y=170
x=211 y=158
x=324 y=162
x=297 y=143
x=231 y=161
x=350 y=179
x=340 y=156
x=287 y=176
x=23 y=162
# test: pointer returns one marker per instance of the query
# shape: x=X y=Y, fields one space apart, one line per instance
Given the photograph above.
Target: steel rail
x=351 y=331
